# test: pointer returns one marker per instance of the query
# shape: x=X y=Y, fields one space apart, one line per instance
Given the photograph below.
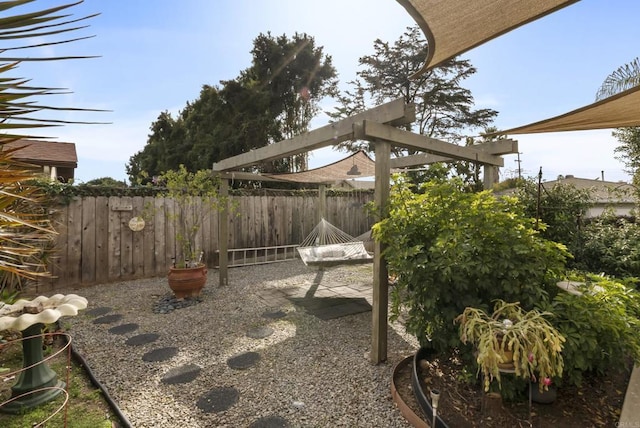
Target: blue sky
x=156 y=55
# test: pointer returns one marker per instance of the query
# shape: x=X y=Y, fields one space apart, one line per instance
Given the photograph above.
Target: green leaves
x=32 y=30
x=451 y=249
x=196 y=197
x=601 y=326
x=611 y=245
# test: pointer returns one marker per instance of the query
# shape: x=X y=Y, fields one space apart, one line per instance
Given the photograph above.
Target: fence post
x=223 y=233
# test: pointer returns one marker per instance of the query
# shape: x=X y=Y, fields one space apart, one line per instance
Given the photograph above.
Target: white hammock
x=327 y=245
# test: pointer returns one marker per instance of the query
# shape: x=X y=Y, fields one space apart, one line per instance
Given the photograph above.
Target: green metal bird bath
x=37 y=383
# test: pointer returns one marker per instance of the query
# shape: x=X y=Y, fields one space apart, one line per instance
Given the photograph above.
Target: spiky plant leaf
x=625 y=77
x=26 y=231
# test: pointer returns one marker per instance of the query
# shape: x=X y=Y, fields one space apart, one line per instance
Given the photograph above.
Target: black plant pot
x=544 y=397
x=423 y=401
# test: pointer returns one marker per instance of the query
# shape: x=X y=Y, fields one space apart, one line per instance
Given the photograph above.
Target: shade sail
x=617 y=111
x=455 y=26
x=357 y=165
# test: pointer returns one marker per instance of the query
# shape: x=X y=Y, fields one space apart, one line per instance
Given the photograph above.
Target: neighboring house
x=57 y=160
x=356 y=184
x=618 y=196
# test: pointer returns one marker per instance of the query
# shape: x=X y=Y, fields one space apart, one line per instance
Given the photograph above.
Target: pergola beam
x=239 y=175
x=417 y=160
x=504 y=146
x=392 y=113
x=499 y=147
x=409 y=140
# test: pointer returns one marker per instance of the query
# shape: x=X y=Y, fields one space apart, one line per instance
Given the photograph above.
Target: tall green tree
x=628 y=152
x=444 y=108
x=297 y=75
x=274 y=99
x=161 y=150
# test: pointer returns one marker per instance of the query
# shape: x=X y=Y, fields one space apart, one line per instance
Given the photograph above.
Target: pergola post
x=223 y=233
x=489 y=176
x=380 y=274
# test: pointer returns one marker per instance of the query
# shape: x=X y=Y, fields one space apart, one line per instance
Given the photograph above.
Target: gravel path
x=306 y=372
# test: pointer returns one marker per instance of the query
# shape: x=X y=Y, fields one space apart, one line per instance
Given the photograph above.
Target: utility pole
x=519 y=167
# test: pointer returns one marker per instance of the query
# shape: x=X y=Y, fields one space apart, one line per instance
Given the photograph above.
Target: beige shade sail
x=357 y=165
x=618 y=111
x=455 y=26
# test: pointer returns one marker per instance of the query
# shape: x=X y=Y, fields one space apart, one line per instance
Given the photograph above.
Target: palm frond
x=26 y=230
x=625 y=77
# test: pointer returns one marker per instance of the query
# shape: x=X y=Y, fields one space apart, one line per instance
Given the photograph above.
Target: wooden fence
x=96 y=244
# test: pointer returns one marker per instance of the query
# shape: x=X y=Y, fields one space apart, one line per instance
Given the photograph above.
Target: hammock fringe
x=327 y=245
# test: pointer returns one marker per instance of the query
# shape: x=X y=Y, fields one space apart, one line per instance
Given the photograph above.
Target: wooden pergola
x=482 y=20
x=379 y=126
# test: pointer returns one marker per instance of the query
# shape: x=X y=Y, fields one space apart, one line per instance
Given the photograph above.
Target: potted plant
x=535 y=344
x=196 y=197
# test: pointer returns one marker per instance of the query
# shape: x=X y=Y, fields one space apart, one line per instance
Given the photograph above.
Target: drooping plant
x=26 y=232
x=535 y=344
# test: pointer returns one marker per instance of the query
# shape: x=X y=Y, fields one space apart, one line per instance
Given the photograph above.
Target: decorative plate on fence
x=136 y=224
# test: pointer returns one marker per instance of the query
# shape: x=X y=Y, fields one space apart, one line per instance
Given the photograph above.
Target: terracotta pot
x=187 y=282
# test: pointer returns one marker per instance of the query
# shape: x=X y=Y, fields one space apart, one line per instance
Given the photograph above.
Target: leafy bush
x=560 y=207
x=611 y=245
x=600 y=326
x=450 y=249
x=606 y=244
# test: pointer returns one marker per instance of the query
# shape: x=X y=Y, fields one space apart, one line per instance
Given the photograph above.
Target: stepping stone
x=182 y=374
x=218 y=400
x=96 y=312
x=274 y=315
x=108 y=319
x=260 y=332
x=142 y=339
x=123 y=328
x=270 y=422
x=244 y=360
x=160 y=354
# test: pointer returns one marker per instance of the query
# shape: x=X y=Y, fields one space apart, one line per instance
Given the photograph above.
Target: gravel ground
x=311 y=373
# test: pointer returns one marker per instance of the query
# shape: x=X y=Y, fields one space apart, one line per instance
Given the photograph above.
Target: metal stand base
x=30 y=400
x=37 y=384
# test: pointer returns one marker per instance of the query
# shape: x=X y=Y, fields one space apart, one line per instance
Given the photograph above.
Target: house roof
x=40 y=152
x=601 y=191
x=360 y=184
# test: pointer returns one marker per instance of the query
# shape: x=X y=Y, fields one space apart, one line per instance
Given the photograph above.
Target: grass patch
x=86 y=406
